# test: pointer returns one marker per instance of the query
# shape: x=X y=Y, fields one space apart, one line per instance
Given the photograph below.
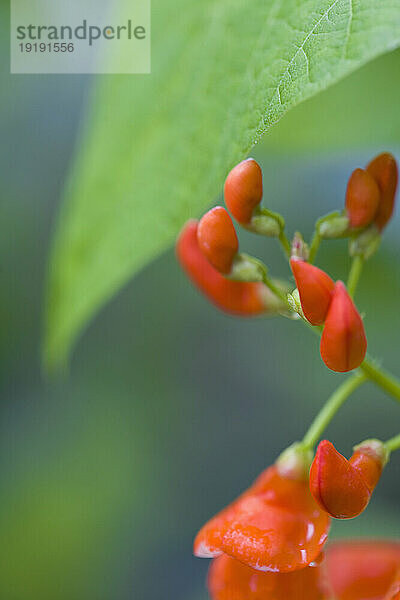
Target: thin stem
x=285 y=244
x=278 y=292
x=354 y=275
x=331 y=407
x=382 y=378
x=315 y=242
x=393 y=443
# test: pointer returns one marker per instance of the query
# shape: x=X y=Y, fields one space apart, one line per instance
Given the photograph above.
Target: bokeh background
x=170 y=409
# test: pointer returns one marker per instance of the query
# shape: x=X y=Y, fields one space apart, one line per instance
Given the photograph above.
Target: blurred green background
x=171 y=408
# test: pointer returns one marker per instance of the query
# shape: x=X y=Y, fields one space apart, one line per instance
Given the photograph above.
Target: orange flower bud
x=235 y=297
x=315 y=290
x=228 y=579
x=275 y=525
x=217 y=239
x=362 y=198
x=383 y=169
x=363 y=570
x=343 y=487
x=343 y=342
x=243 y=190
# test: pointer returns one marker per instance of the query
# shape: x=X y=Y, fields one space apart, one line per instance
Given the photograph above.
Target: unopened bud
x=295 y=304
x=247 y=268
x=299 y=247
x=264 y=222
x=335 y=227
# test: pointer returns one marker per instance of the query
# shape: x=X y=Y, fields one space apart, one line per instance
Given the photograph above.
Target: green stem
x=278 y=292
x=285 y=244
x=315 y=242
x=331 y=407
x=382 y=378
x=354 y=275
x=393 y=443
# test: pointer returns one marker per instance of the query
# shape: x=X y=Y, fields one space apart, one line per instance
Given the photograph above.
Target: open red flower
x=343 y=487
x=361 y=570
x=275 y=525
x=234 y=297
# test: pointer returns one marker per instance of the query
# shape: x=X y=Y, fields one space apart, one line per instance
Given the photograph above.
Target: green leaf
x=156 y=148
x=369 y=115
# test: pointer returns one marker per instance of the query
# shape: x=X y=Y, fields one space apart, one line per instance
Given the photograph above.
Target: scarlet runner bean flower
x=343 y=487
x=235 y=297
x=355 y=570
x=343 y=341
x=315 y=290
x=383 y=169
x=275 y=525
x=243 y=190
x=217 y=239
x=362 y=198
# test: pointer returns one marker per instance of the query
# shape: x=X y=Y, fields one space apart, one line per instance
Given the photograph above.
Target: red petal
x=363 y=570
x=343 y=342
x=228 y=579
x=243 y=190
x=217 y=239
x=315 y=290
x=336 y=485
x=362 y=198
x=383 y=168
x=274 y=526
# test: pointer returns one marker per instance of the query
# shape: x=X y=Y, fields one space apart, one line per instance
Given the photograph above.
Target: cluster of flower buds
x=369 y=205
x=269 y=544
x=371 y=193
x=209 y=250
x=324 y=302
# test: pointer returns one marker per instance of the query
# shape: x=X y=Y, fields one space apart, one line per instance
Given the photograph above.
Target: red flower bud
x=362 y=198
x=228 y=579
x=217 y=239
x=235 y=297
x=315 y=290
x=383 y=169
x=343 y=487
x=363 y=570
x=274 y=526
x=243 y=190
x=343 y=342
